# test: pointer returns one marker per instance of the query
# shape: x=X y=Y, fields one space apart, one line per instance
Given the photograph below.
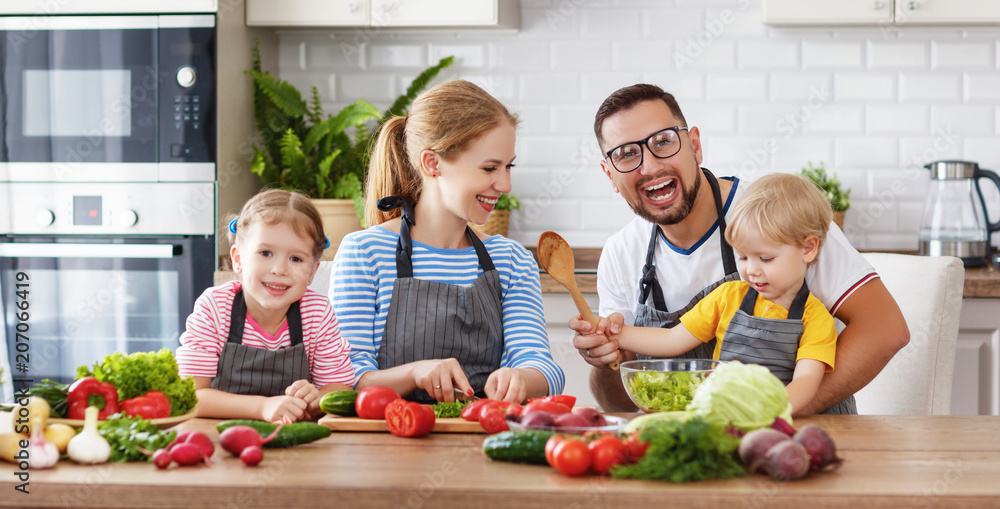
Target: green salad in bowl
x=664 y=385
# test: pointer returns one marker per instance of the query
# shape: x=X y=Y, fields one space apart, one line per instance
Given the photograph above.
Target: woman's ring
x=437 y=386
x=588 y=352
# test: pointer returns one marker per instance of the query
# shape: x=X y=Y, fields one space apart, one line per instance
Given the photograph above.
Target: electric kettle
x=955 y=222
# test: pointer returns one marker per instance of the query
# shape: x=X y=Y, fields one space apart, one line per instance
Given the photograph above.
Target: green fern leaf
x=324 y=165
x=281 y=93
x=419 y=83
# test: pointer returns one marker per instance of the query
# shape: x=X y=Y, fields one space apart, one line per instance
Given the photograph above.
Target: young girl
x=770 y=317
x=265 y=347
x=429 y=305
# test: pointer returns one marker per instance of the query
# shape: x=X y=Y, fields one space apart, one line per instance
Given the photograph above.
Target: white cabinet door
x=308 y=12
x=840 y=12
x=947 y=11
x=975 y=387
x=446 y=13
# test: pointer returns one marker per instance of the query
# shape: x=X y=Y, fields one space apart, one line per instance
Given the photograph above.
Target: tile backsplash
x=874 y=104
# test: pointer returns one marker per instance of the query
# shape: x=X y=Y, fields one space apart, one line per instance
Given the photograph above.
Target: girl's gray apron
x=657 y=314
x=258 y=371
x=432 y=320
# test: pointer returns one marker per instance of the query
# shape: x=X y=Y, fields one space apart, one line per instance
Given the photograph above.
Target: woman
x=430 y=306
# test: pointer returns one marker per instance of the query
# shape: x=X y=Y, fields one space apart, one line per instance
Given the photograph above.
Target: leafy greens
x=656 y=391
x=138 y=373
x=685 y=450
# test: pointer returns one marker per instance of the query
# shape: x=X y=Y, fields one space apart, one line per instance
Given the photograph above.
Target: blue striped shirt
x=364 y=271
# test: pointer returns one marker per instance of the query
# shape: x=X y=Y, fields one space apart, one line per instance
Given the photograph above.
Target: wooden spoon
x=556 y=257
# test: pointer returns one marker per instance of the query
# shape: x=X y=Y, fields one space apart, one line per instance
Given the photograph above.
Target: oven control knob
x=45 y=217
x=186 y=76
x=127 y=218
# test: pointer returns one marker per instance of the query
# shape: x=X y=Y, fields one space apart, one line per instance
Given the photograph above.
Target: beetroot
x=755 y=444
x=786 y=461
x=593 y=417
x=820 y=447
x=783 y=426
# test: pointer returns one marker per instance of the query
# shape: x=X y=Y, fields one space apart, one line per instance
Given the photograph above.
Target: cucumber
x=295 y=433
x=521 y=446
x=339 y=403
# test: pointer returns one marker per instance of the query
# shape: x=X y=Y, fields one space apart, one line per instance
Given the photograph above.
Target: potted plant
x=839 y=198
x=324 y=156
x=499 y=222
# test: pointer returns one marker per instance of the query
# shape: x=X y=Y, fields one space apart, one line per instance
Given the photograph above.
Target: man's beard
x=679 y=211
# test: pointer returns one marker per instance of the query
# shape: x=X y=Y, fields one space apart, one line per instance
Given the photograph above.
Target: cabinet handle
x=352 y=7
x=878 y=5
x=912 y=5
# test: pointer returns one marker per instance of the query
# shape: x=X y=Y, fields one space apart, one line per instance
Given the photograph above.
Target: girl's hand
x=303 y=390
x=276 y=407
x=440 y=377
x=506 y=384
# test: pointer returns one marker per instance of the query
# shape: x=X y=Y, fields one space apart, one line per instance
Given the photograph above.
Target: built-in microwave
x=107 y=98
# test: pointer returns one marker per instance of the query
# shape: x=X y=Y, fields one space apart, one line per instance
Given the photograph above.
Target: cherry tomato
x=372 y=401
x=493 y=420
x=565 y=399
x=636 y=447
x=547 y=406
x=550 y=447
x=471 y=411
x=607 y=452
x=571 y=457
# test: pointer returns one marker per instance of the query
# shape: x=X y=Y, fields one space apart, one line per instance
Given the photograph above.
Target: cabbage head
x=747 y=396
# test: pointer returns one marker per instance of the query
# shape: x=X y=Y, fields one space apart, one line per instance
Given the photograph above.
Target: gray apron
x=657 y=315
x=259 y=371
x=433 y=320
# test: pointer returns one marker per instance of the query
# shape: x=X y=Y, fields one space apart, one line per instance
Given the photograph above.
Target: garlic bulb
x=41 y=453
x=89 y=447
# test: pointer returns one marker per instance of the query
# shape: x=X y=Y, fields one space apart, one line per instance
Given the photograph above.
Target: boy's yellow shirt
x=711 y=316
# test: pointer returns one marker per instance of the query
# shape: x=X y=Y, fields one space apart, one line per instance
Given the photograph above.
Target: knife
x=463 y=397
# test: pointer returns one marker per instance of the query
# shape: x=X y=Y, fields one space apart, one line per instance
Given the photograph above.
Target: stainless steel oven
x=107 y=185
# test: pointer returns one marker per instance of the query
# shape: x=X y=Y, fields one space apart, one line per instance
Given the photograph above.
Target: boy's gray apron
x=258 y=371
x=432 y=320
x=657 y=314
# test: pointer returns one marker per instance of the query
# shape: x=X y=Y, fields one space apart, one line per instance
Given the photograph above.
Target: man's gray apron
x=258 y=371
x=658 y=315
x=432 y=320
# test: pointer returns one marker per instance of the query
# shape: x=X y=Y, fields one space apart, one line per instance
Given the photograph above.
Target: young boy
x=768 y=318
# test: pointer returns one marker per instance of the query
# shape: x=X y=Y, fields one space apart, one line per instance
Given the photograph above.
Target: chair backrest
x=918 y=379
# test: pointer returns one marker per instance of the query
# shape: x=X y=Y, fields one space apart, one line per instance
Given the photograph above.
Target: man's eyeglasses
x=662 y=144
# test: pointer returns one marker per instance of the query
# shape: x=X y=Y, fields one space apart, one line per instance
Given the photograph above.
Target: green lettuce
x=747 y=396
x=138 y=373
x=657 y=391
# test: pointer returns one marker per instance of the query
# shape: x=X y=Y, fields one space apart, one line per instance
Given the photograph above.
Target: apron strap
x=728 y=258
x=648 y=282
x=238 y=317
x=798 y=303
x=404 y=247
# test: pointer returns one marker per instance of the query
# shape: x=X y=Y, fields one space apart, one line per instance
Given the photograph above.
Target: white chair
x=917 y=381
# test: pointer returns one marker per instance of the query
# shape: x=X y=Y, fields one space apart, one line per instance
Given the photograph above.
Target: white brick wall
x=873 y=105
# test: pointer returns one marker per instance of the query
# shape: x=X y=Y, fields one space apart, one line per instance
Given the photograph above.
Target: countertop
x=980 y=283
x=889 y=461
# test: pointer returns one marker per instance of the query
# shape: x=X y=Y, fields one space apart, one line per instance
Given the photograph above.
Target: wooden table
x=898 y=461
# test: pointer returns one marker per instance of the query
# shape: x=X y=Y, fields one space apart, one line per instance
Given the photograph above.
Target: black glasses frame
x=645 y=143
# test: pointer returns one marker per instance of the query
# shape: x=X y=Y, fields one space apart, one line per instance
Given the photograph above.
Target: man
x=673 y=254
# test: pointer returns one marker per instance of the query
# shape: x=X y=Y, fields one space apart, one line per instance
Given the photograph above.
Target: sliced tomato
x=565 y=399
x=372 y=401
x=471 y=411
x=571 y=457
x=409 y=419
x=546 y=406
x=606 y=452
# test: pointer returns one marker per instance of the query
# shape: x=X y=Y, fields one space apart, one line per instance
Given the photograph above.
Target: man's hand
x=594 y=345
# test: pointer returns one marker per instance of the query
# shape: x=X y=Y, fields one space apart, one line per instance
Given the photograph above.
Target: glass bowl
x=614 y=425
x=664 y=385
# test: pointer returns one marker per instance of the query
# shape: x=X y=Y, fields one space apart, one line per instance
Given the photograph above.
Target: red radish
x=197 y=438
x=161 y=458
x=252 y=455
x=236 y=438
x=186 y=454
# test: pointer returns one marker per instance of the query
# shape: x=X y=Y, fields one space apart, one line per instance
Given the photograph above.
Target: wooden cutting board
x=445 y=425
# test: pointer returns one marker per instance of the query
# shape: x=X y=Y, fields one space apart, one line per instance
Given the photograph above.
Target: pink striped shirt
x=208 y=329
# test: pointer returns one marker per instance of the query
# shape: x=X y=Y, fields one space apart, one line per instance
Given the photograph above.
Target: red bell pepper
x=409 y=419
x=152 y=405
x=88 y=391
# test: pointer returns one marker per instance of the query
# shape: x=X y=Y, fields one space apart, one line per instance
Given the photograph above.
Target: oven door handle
x=63 y=250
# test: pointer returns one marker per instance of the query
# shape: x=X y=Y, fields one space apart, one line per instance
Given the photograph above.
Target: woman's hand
x=440 y=378
x=506 y=384
x=276 y=407
x=595 y=347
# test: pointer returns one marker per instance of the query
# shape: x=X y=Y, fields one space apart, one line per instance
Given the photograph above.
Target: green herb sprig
x=454 y=409
x=689 y=450
x=128 y=436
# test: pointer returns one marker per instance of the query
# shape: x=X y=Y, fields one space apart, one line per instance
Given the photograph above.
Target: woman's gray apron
x=258 y=371
x=432 y=320
x=657 y=315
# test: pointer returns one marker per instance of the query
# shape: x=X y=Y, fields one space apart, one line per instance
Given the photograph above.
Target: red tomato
x=408 y=419
x=593 y=434
x=636 y=447
x=550 y=446
x=571 y=457
x=547 y=406
x=372 y=401
x=471 y=411
x=493 y=420
x=607 y=452
x=505 y=407
x=565 y=399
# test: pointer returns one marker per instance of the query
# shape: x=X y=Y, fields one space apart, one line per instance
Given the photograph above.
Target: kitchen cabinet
x=559 y=308
x=976 y=384
x=384 y=13
x=881 y=12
